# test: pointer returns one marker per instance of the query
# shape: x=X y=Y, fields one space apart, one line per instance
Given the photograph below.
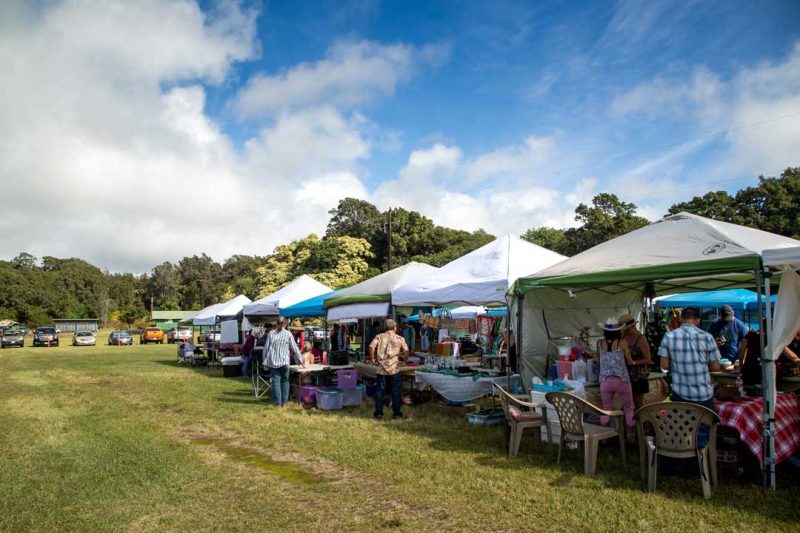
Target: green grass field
x=122 y=438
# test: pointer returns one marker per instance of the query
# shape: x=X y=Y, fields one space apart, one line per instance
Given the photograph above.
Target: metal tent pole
x=767 y=382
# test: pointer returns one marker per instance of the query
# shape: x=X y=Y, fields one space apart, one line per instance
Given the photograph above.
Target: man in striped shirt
x=278 y=350
x=691 y=354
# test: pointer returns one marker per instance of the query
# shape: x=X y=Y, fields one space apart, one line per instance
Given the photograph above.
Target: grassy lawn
x=122 y=438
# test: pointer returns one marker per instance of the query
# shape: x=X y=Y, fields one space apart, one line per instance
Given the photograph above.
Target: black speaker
x=338 y=358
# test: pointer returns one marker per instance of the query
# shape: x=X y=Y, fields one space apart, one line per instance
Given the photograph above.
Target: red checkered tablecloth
x=747 y=417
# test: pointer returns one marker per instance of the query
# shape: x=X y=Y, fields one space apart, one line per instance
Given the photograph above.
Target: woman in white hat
x=614 y=379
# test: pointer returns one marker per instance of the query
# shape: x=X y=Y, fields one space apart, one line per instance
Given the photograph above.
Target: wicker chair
x=520 y=416
x=570 y=410
x=675 y=425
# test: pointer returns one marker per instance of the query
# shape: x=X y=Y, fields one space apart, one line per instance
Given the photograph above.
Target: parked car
x=179 y=335
x=315 y=333
x=120 y=336
x=12 y=337
x=83 y=338
x=151 y=335
x=46 y=336
x=209 y=336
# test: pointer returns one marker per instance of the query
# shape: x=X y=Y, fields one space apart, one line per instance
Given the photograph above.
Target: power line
x=675 y=144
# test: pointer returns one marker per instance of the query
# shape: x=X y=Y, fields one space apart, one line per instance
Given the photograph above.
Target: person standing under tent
x=615 y=357
x=334 y=336
x=728 y=332
x=278 y=349
x=639 y=348
x=410 y=336
x=247 y=348
x=387 y=350
x=691 y=354
x=298 y=333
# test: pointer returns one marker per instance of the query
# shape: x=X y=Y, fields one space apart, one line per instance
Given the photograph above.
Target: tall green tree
x=772 y=205
x=608 y=217
x=354 y=218
x=164 y=286
x=554 y=239
x=201 y=282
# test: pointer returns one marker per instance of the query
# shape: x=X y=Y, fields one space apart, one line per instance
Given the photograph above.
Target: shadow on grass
x=487 y=447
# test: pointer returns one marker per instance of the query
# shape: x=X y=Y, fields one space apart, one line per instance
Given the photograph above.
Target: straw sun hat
x=626 y=321
x=296 y=325
x=610 y=324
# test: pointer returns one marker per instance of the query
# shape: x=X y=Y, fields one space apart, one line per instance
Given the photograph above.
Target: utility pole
x=390 y=240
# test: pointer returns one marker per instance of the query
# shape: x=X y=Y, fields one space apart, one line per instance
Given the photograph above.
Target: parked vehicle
x=179 y=335
x=120 y=336
x=12 y=337
x=315 y=333
x=83 y=338
x=209 y=336
x=46 y=336
x=151 y=335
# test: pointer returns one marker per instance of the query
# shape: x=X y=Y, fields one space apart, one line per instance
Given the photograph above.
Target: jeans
x=246 y=365
x=280 y=384
x=614 y=385
x=703 y=431
x=395 y=381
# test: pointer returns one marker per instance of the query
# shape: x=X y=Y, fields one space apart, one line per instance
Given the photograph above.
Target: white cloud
x=351 y=73
x=702 y=95
x=436 y=182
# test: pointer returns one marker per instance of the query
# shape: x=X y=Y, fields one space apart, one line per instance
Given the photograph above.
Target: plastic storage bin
x=352 y=397
x=308 y=394
x=347 y=379
x=329 y=399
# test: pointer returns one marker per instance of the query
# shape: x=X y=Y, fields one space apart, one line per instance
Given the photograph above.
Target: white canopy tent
x=217 y=312
x=680 y=253
x=372 y=297
x=781 y=328
x=481 y=277
x=299 y=290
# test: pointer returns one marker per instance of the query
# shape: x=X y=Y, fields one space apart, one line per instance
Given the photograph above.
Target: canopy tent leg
x=767 y=383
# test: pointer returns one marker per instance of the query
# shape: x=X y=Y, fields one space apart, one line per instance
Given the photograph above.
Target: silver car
x=83 y=338
x=12 y=337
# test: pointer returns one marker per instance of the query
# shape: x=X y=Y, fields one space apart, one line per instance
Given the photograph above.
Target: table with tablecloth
x=462 y=388
x=747 y=417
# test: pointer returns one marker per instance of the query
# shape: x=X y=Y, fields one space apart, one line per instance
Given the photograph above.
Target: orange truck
x=151 y=335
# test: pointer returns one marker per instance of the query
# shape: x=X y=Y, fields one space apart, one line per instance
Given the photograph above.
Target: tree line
x=354 y=247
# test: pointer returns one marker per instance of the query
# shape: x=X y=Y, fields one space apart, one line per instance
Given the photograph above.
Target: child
x=307 y=355
x=317 y=353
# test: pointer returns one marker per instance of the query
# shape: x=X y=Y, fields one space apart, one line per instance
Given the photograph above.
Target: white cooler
x=552 y=417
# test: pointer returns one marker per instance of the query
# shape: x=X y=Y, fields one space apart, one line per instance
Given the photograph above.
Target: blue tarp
x=312 y=307
x=739 y=299
x=498 y=311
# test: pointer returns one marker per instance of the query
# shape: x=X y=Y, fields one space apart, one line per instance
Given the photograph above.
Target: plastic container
x=232 y=371
x=308 y=394
x=564 y=369
x=347 y=379
x=329 y=399
x=352 y=397
x=579 y=370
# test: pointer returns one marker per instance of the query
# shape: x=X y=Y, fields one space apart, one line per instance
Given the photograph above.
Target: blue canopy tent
x=743 y=301
x=313 y=307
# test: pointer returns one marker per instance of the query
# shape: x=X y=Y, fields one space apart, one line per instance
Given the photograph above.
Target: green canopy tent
x=680 y=253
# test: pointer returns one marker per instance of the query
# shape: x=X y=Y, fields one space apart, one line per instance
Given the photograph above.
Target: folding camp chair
x=262 y=381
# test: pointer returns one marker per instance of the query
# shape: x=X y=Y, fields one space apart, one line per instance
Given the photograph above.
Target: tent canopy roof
x=307 y=308
x=481 y=277
x=379 y=288
x=680 y=251
x=300 y=289
x=231 y=308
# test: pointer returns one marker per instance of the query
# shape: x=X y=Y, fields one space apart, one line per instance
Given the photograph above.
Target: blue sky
x=501 y=115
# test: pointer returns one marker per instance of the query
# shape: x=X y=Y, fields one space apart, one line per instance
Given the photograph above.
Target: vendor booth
x=481 y=277
x=373 y=297
x=680 y=253
x=743 y=301
x=299 y=290
x=216 y=314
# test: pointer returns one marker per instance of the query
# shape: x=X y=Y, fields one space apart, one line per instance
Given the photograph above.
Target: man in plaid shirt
x=690 y=353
